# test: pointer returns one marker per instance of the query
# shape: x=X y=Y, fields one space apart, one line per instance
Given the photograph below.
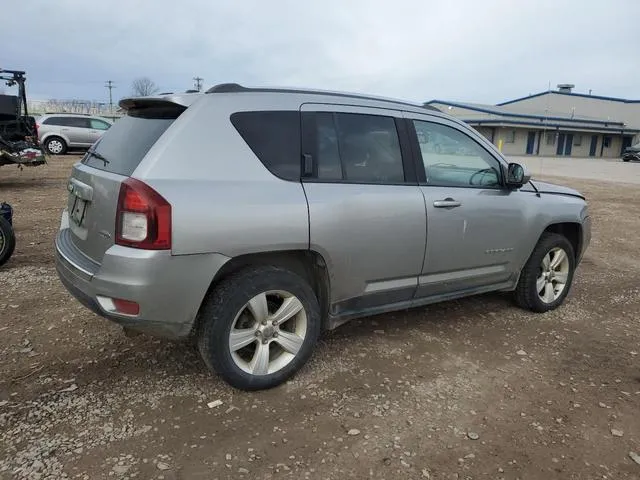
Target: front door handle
x=446 y=203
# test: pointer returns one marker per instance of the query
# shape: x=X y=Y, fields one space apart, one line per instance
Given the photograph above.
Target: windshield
x=126 y=143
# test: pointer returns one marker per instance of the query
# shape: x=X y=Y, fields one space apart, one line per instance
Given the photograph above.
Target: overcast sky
x=482 y=51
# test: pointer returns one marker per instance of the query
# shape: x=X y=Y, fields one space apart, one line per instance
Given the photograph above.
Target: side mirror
x=517 y=175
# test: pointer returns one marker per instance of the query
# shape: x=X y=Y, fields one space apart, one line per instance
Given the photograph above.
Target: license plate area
x=78 y=210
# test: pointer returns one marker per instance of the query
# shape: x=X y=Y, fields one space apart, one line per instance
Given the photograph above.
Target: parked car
x=59 y=132
x=253 y=219
x=632 y=153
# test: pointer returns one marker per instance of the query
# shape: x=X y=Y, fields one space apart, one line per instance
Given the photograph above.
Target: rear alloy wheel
x=259 y=327
x=55 y=146
x=7 y=240
x=546 y=278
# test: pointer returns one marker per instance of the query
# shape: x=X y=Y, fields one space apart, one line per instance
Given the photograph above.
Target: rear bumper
x=169 y=289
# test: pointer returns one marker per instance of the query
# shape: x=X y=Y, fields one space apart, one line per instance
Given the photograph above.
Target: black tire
x=51 y=142
x=7 y=241
x=225 y=303
x=526 y=294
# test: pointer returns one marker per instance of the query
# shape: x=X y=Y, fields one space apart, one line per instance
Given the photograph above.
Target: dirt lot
x=467 y=389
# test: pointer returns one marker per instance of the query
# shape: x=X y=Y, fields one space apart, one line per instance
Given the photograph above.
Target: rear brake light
x=143 y=217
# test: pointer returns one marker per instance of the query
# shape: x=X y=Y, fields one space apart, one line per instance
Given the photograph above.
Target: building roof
x=499 y=110
x=481 y=114
x=570 y=94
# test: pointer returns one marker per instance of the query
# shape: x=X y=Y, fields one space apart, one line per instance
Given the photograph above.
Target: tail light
x=143 y=217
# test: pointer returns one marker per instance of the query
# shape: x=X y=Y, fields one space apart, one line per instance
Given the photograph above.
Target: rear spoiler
x=164 y=101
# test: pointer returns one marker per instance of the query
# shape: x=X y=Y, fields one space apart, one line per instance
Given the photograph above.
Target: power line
x=110 y=86
x=198 y=83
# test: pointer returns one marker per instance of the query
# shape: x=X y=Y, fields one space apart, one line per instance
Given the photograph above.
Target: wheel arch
x=308 y=264
x=572 y=231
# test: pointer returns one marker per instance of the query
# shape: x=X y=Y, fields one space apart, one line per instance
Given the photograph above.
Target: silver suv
x=58 y=132
x=253 y=219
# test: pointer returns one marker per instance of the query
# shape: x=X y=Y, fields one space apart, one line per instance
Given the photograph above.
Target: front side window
x=451 y=158
x=358 y=148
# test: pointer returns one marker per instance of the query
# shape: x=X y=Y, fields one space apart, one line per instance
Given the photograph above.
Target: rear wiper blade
x=99 y=156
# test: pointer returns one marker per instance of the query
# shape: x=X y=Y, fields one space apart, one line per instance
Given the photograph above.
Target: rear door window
x=355 y=148
x=77 y=122
x=129 y=139
x=274 y=137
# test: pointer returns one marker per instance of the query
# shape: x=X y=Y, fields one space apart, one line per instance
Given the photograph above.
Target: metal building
x=554 y=122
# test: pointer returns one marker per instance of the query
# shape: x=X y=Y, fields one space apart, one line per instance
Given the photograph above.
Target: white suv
x=58 y=132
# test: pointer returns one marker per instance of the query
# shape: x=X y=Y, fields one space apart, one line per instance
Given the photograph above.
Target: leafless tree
x=143 y=86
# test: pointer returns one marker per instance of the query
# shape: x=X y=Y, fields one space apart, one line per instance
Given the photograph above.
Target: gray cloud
x=484 y=51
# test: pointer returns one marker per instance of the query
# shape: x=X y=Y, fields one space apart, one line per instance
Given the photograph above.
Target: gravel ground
x=467 y=389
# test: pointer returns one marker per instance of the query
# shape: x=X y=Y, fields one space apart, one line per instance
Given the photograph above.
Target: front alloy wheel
x=546 y=278
x=554 y=272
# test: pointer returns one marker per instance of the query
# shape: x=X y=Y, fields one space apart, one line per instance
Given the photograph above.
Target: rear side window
x=54 y=121
x=274 y=137
x=79 y=122
x=129 y=139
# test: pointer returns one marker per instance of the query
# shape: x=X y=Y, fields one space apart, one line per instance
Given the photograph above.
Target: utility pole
x=110 y=86
x=197 y=82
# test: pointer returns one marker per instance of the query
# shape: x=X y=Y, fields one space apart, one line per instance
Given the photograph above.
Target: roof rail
x=68 y=113
x=237 y=88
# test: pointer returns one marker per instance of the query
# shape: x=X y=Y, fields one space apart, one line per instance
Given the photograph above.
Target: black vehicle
x=7 y=237
x=18 y=133
x=632 y=153
x=18 y=146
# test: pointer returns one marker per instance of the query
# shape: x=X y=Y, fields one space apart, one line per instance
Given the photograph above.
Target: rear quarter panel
x=223 y=199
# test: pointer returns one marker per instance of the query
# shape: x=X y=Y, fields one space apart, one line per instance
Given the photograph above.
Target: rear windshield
x=124 y=145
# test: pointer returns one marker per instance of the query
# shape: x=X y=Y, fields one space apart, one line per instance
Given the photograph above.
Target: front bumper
x=169 y=289
x=586 y=237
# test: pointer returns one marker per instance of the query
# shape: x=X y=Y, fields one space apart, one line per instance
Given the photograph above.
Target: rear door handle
x=447 y=203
